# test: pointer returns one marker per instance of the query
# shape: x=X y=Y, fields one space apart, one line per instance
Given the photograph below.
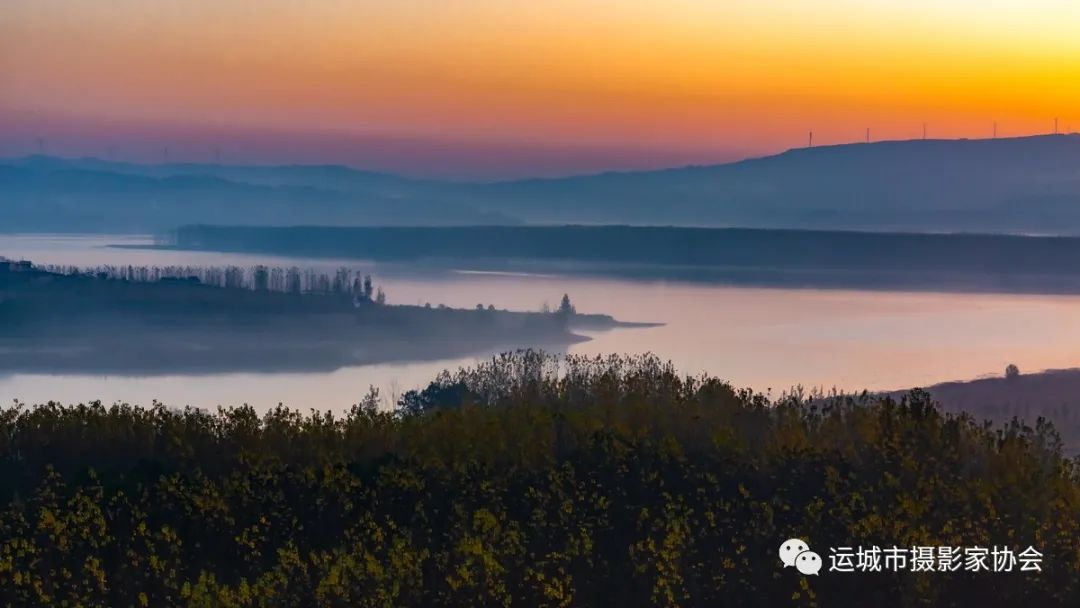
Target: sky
x=488 y=89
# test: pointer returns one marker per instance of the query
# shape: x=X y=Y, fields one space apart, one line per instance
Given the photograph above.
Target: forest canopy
x=529 y=480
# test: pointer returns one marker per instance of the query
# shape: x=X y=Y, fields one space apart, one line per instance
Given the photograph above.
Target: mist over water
x=760 y=338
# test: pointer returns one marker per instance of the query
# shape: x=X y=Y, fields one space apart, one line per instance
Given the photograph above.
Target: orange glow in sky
x=682 y=78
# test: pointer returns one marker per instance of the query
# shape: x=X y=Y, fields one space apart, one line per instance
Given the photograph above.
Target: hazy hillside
x=1012 y=185
x=1053 y=395
x=333 y=177
x=49 y=195
x=1020 y=185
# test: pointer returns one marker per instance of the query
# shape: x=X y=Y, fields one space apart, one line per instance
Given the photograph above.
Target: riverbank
x=97 y=323
x=819 y=259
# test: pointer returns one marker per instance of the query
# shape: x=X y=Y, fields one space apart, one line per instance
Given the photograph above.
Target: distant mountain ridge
x=44 y=194
x=268 y=175
x=1012 y=185
x=1027 y=184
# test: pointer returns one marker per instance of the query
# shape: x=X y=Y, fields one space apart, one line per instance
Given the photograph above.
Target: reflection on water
x=762 y=338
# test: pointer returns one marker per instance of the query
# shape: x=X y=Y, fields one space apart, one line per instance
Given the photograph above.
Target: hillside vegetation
x=528 y=481
x=1052 y=394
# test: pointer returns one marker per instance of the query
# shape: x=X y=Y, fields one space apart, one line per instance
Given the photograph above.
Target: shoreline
x=737 y=276
x=134 y=321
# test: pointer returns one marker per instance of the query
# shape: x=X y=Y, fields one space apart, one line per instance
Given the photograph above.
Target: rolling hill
x=42 y=194
x=1015 y=185
x=1027 y=184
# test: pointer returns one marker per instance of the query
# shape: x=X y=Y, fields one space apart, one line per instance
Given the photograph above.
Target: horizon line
x=613 y=171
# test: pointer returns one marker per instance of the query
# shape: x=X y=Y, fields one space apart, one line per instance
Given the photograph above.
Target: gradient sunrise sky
x=496 y=88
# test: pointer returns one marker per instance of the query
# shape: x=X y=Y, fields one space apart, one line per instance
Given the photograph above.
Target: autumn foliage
x=528 y=481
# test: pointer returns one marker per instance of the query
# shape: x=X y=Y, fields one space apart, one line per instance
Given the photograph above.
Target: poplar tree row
x=257 y=278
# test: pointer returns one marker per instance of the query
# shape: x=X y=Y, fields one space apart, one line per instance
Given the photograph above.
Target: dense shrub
x=529 y=481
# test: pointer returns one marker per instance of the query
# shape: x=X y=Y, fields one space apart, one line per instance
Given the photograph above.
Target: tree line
x=529 y=480
x=257 y=278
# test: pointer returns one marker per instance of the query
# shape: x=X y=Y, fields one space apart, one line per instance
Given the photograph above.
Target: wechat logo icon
x=794 y=552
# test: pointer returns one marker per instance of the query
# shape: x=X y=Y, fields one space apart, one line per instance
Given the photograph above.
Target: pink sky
x=494 y=88
x=446 y=157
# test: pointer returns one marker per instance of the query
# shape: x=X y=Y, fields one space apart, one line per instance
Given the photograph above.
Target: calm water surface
x=767 y=339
